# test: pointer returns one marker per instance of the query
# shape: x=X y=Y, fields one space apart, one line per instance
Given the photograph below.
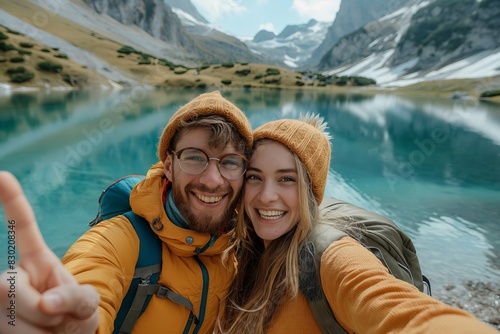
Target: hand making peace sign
x=39 y=295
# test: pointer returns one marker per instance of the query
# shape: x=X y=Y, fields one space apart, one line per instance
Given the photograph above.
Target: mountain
x=128 y=42
x=157 y=18
x=293 y=46
x=185 y=8
x=352 y=15
x=152 y=16
x=440 y=39
x=223 y=47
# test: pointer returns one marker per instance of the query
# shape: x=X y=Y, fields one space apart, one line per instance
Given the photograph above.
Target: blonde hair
x=267 y=276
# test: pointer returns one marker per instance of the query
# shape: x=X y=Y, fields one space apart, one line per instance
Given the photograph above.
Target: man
x=188 y=198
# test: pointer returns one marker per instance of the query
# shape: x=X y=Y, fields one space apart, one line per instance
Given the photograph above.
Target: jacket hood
x=146 y=201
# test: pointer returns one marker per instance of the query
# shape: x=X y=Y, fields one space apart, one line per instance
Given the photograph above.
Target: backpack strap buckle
x=164 y=292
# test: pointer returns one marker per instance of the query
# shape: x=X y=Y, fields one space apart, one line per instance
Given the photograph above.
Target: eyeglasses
x=194 y=161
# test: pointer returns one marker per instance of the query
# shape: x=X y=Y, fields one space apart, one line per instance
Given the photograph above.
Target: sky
x=244 y=18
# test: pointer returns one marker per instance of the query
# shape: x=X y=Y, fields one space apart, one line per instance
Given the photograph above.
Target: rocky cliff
x=422 y=36
x=157 y=19
x=352 y=15
x=448 y=30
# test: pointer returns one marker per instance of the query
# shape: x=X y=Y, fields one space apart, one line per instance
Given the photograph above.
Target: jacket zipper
x=204 y=293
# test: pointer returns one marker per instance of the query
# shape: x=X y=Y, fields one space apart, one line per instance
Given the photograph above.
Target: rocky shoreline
x=478 y=298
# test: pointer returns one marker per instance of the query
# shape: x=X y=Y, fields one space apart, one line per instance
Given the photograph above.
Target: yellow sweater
x=363 y=297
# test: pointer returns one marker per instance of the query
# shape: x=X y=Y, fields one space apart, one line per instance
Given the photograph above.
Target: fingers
x=66 y=306
x=21 y=302
x=80 y=301
x=20 y=216
x=48 y=298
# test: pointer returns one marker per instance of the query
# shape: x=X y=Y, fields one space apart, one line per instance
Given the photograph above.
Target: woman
x=284 y=186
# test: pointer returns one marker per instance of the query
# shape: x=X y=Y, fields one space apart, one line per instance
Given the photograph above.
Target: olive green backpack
x=380 y=235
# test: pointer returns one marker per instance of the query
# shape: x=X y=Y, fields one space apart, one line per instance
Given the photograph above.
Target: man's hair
x=207 y=104
x=223 y=132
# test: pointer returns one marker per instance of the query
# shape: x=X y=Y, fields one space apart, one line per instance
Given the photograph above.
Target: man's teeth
x=206 y=199
x=271 y=215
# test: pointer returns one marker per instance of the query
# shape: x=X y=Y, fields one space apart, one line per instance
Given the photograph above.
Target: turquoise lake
x=432 y=165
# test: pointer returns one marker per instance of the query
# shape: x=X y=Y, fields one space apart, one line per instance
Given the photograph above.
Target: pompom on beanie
x=212 y=103
x=307 y=139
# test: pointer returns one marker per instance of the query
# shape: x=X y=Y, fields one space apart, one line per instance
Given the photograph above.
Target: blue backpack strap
x=147 y=272
x=114 y=201
x=145 y=282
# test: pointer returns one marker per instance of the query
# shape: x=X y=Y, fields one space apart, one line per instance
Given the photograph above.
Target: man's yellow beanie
x=307 y=140
x=205 y=104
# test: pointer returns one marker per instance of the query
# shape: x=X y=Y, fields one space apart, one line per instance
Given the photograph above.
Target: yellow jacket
x=105 y=256
x=363 y=295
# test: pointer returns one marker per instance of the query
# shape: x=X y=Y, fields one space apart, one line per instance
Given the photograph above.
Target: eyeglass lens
x=195 y=161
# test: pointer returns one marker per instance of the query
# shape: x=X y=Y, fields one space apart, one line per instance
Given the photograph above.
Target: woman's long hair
x=266 y=276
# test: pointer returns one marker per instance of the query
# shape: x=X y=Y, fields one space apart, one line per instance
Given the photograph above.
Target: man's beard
x=204 y=223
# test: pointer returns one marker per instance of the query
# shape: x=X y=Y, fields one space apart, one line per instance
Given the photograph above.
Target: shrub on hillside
x=164 y=62
x=6 y=47
x=272 y=71
x=3 y=36
x=227 y=65
x=144 y=55
x=23 y=52
x=26 y=45
x=126 y=50
x=45 y=50
x=14 y=70
x=299 y=83
x=61 y=55
x=49 y=66
x=17 y=60
x=273 y=81
x=180 y=71
x=491 y=93
x=226 y=81
x=22 y=77
x=342 y=81
x=362 y=81
x=243 y=72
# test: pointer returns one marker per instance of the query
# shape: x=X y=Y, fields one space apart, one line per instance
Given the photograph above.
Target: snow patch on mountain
x=371 y=52
x=190 y=21
x=293 y=46
x=482 y=65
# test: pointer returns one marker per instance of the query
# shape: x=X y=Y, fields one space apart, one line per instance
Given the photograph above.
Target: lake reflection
x=431 y=165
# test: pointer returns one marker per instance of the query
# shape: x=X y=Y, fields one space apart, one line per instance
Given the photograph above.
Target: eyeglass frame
x=178 y=153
